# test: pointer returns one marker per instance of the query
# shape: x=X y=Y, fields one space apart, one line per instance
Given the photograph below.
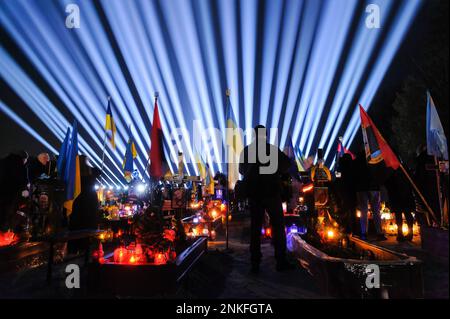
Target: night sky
x=13 y=137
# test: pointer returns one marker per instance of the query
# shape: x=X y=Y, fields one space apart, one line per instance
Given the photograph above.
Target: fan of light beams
x=299 y=66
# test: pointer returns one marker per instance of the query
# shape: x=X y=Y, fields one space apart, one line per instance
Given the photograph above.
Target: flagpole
x=419 y=193
x=104 y=144
x=227 y=93
x=438 y=185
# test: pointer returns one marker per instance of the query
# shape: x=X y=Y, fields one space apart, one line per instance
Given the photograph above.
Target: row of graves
x=146 y=242
x=339 y=261
x=151 y=239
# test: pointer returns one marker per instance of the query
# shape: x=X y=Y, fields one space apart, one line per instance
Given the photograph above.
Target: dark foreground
x=221 y=274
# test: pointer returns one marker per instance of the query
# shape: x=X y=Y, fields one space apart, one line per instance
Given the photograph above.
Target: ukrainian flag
x=299 y=159
x=72 y=171
x=234 y=144
x=110 y=126
x=201 y=166
x=130 y=154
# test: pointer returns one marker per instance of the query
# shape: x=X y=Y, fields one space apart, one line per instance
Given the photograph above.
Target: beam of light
x=272 y=20
x=248 y=22
x=46 y=62
x=327 y=50
x=13 y=116
x=356 y=63
x=311 y=16
x=190 y=52
x=39 y=104
x=286 y=54
x=408 y=11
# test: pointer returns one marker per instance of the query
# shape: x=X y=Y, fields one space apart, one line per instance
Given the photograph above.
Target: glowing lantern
x=120 y=255
x=223 y=207
x=308 y=188
x=6 y=238
x=330 y=234
x=132 y=259
x=269 y=232
x=138 y=253
x=284 y=205
x=293 y=229
x=358 y=213
x=301 y=199
x=214 y=213
x=160 y=259
x=405 y=229
x=416 y=229
x=391 y=229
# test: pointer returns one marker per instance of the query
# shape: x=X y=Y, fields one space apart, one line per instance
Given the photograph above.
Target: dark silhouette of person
x=13 y=180
x=401 y=200
x=262 y=179
x=367 y=185
x=85 y=210
x=347 y=190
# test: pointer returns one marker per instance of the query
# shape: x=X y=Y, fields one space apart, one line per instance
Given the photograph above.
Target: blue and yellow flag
x=130 y=154
x=234 y=144
x=200 y=165
x=72 y=175
x=110 y=126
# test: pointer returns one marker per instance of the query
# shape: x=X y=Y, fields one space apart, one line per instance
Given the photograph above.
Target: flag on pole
x=158 y=167
x=234 y=144
x=341 y=150
x=200 y=165
x=299 y=158
x=62 y=156
x=209 y=182
x=436 y=139
x=377 y=149
x=110 y=125
x=72 y=171
x=130 y=155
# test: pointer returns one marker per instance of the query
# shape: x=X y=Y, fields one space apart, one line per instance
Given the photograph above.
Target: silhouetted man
x=262 y=164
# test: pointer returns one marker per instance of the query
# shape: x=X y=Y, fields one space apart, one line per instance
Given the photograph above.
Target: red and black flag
x=377 y=149
x=158 y=165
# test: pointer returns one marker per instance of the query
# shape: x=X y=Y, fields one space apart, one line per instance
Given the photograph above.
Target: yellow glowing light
x=214 y=213
x=102 y=236
x=132 y=260
x=330 y=234
x=358 y=213
x=405 y=229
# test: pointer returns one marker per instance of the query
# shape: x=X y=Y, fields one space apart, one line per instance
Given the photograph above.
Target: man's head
x=43 y=158
x=22 y=154
x=260 y=132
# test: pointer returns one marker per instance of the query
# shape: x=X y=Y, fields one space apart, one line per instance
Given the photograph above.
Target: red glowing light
x=160 y=259
x=7 y=238
x=308 y=188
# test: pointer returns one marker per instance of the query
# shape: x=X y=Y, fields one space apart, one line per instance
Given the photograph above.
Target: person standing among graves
x=13 y=181
x=401 y=202
x=367 y=192
x=262 y=180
